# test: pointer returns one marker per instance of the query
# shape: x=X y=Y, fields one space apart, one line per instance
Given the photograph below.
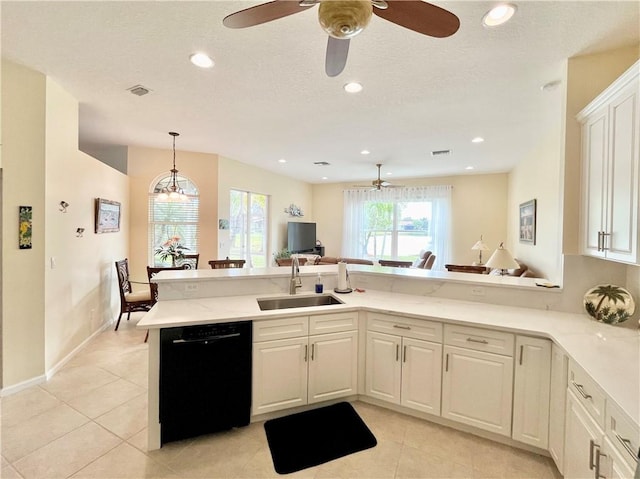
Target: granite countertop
x=609 y=354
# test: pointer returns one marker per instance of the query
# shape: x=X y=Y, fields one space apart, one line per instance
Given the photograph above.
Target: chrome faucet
x=296 y=281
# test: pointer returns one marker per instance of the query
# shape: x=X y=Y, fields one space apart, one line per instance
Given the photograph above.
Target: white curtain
x=353 y=239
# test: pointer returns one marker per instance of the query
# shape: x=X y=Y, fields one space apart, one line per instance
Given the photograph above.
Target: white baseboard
x=15 y=388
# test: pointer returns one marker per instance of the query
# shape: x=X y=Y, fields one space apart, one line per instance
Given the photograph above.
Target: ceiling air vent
x=321 y=163
x=139 y=90
x=440 y=152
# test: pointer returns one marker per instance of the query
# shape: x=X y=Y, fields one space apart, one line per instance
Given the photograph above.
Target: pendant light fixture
x=172 y=192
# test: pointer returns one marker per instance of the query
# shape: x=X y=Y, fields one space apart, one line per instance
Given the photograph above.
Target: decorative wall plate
x=609 y=304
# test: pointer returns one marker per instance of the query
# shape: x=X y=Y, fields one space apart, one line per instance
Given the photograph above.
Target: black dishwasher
x=205 y=379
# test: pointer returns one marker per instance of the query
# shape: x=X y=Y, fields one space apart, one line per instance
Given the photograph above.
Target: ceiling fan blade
x=263 y=13
x=420 y=17
x=337 y=51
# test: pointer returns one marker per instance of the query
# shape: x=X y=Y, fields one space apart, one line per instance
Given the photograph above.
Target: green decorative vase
x=609 y=304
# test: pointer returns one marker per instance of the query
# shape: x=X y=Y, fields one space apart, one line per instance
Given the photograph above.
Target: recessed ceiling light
x=469 y=168
x=389 y=173
x=552 y=85
x=477 y=139
x=201 y=60
x=353 y=87
x=498 y=15
x=365 y=152
x=282 y=160
x=325 y=178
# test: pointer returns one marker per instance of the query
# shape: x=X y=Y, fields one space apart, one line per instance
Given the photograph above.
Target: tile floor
x=89 y=421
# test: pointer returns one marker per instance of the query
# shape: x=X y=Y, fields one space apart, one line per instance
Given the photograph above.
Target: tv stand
x=319 y=250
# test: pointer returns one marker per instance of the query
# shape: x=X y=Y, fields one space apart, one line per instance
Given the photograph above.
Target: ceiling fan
x=379 y=183
x=344 y=19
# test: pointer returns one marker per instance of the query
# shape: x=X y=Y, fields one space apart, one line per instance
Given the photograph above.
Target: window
x=396 y=223
x=248 y=227
x=168 y=220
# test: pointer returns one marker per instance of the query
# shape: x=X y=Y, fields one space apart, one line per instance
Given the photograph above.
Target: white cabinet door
x=612 y=464
x=531 y=391
x=477 y=389
x=582 y=434
x=557 y=406
x=421 y=374
x=383 y=367
x=279 y=374
x=333 y=366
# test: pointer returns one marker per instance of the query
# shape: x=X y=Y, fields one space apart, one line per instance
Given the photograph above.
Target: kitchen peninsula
x=510 y=321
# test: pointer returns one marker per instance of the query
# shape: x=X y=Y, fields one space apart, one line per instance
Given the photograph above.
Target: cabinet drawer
x=479 y=339
x=622 y=433
x=284 y=328
x=407 y=327
x=333 y=323
x=587 y=392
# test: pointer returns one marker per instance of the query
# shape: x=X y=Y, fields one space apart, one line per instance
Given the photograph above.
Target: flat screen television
x=301 y=237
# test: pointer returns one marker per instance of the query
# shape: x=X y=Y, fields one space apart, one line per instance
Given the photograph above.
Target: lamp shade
x=480 y=245
x=502 y=259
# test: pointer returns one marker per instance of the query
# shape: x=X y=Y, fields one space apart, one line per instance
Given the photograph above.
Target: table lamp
x=501 y=259
x=480 y=246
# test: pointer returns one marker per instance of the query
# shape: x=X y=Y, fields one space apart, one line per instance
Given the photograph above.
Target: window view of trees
x=248 y=220
x=396 y=230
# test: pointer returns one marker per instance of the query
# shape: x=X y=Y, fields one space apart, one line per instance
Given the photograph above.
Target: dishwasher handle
x=206 y=340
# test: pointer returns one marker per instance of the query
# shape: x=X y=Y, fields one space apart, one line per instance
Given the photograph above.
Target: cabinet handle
x=627 y=446
x=592 y=446
x=580 y=389
x=604 y=248
x=313 y=349
x=481 y=341
x=306 y=350
x=398 y=326
x=404 y=354
x=599 y=240
x=521 y=353
x=397 y=352
x=446 y=363
x=597 y=474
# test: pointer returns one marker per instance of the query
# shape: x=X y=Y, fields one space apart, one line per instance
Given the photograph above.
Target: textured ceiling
x=268 y=96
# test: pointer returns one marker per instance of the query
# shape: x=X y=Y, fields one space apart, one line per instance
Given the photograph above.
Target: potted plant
x=171 y=249
x=282 y=257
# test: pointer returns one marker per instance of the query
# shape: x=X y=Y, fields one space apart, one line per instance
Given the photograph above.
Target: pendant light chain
x=173 y=192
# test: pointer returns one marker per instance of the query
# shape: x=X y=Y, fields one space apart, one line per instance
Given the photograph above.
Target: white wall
x=47 y=313
x=479 y=207
x=282 y=191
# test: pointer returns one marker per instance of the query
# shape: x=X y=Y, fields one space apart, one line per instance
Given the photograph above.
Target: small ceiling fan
x=379 y=183
x=344 y=19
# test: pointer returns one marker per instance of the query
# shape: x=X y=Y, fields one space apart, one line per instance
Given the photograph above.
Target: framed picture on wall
x=528 y=222
x=107 y=216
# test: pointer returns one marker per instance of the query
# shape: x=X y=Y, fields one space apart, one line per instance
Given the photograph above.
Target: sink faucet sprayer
x=296 y=281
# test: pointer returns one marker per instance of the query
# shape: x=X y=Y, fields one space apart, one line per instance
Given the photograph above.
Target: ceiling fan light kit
x=344 y=19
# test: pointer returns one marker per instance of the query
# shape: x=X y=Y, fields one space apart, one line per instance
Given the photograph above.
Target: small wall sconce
x=79 y=232
x=293 y=210
x=63 y=206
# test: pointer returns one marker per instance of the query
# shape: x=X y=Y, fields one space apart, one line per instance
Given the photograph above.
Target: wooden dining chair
x=226 y=263
x=130 y=301
x=189 y=261
x=153 y=286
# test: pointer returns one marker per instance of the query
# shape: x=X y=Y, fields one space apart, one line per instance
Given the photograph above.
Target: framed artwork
x=25 y=227
x=107 y=216
x=528 y=222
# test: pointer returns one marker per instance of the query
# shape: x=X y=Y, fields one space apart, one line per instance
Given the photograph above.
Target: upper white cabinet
x=610 y=182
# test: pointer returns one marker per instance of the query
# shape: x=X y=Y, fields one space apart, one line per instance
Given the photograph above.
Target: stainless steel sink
x=267 y=304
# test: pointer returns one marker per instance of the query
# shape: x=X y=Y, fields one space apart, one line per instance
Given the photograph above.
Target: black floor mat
x=314 y=437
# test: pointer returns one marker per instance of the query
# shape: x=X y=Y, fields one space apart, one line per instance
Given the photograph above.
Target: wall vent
x=139 y=90
x=321 y=163
x=440 y=152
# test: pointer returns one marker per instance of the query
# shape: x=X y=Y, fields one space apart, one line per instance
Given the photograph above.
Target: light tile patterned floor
x=89 y=421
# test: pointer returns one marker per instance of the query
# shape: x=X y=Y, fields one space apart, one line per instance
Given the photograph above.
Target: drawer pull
x=580 y=389
x=398 y=326
x=627 y=446
x=481 y=341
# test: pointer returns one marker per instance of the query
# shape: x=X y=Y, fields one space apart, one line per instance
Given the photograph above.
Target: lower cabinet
x=612 y=464
x=404 y=371
x=583 y=436
x=531 y=391
x=476 y=389
x=304 y=369
x=557 y=401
